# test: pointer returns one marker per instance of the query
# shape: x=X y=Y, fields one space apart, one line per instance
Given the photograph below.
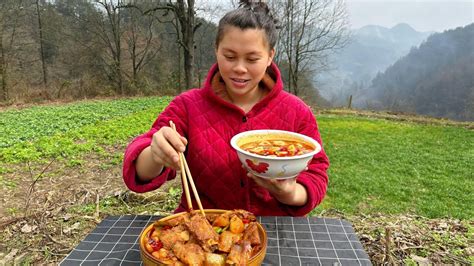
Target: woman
x=243 y=91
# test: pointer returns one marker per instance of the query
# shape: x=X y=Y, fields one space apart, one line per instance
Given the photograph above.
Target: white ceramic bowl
x=273 y=167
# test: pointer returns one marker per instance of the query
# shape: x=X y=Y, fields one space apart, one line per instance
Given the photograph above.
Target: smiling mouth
x=240 y=80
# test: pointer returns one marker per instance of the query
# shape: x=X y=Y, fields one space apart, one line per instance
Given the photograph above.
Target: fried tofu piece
x=226 y=240
x=189 y=254
x=213 y=259
x=202 y=230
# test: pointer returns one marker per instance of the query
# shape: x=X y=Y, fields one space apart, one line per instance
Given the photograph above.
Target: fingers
x=274 y=185
x=184 y=140
x=263 y=182
x=287 y=180
x=260 y=181
x=174 y=139
x=166 y=144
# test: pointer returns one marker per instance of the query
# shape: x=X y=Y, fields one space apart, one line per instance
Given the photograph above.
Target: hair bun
x=253 y=3
x=259 y=6
x=249 y=2
x=251 y=14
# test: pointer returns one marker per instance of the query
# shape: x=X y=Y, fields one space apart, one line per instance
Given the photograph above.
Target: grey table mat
x=291 y=241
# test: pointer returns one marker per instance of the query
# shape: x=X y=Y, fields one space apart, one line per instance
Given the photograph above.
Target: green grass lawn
x=377 y=166
x=398 y=167
x=70 y=130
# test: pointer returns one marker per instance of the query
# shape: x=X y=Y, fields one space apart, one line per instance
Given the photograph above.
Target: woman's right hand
x=165 y=145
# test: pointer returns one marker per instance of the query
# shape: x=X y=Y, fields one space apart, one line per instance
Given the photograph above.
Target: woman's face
x=243 y=57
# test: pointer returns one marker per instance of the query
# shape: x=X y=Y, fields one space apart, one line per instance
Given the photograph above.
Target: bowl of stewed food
x=220 y=237
x=274 y=154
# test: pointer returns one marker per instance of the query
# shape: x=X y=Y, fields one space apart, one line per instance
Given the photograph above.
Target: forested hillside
x=434 y=79
x=72 y=49
x=77 y=48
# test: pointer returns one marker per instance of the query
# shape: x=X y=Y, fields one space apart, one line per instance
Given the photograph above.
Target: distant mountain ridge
x=399 y=32
x=371 y=50
x=377 y=48
x=435 y=79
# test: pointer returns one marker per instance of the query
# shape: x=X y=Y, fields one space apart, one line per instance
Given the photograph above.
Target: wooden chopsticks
x=185 y=175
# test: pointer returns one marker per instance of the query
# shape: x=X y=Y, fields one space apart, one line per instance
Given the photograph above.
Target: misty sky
x=422 y=15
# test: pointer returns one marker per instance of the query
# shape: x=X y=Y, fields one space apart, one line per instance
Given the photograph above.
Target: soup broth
x=277 y=148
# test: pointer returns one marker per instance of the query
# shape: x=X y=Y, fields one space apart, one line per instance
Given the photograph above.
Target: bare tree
x=208 y=12
x=41 y=43
x=3 y=70
x=205 y=56
x=310 y=31
x=110 y=33
x=184 y=12
x=10 y=12
x=142 y=43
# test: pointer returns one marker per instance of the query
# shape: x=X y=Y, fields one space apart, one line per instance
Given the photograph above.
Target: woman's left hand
x=277 y=187
x=287 y=191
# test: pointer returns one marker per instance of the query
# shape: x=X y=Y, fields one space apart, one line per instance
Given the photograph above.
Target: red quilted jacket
x=209 y=121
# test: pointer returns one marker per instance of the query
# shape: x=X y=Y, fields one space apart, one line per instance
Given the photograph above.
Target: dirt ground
x=58 y=186
x=32 y=208
x=46 y=210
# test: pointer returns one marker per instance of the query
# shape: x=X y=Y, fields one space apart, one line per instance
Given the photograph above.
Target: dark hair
x=250 y=15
